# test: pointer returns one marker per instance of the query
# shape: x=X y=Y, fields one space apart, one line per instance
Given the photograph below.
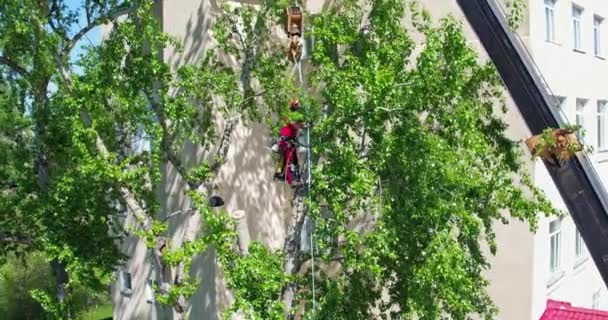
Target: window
x=580 y=115
x=150 y=291
x=597 y=27
x=125 y=282
x=602 y=133
x=550 y=20
x=555 y=238
x=578 y=244
x=140 y=142
x=558 y=103
x=577 y=13
x=595 y=300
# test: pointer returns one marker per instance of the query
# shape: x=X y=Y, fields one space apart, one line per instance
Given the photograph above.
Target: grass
x=100 y=313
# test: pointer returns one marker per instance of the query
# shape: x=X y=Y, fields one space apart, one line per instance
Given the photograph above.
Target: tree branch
x=291 y=260
x=253 y=96
x=112 y=15
x=54 y=10
x=87 y=7
x=18 y=239
x=167 y=141
x=222 y=149
x=13 y=65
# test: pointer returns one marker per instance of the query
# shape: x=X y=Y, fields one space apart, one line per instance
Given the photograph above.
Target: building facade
x=568 y=41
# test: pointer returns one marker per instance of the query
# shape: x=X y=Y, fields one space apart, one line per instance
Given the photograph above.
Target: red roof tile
x=558 y=310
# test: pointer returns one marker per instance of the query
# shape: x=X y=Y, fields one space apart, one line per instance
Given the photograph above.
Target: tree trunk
x=42 y=169
x=291 y=249
x=61 y=280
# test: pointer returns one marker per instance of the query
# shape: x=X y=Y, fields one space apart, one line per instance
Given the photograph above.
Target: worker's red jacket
x=288 y=135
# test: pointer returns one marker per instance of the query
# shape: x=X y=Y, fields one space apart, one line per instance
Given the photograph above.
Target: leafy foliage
x=516 y=12
x=412 y=166
x=27 y=288
x=420 y=136
x=258 y=279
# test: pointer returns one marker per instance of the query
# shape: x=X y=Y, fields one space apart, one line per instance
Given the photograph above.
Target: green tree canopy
x=411 y=163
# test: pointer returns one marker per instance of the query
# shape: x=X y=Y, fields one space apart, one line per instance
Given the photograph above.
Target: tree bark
x=291 y=248
x=61 y=280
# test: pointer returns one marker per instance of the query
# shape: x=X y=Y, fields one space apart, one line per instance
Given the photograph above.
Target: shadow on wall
x=245 y=183
x=195 y=34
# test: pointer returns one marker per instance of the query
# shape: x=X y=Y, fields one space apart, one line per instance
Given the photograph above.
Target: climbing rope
x=308 y=182
x=295 y=48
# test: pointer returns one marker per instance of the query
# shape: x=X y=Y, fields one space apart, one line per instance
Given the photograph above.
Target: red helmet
x=294 y=105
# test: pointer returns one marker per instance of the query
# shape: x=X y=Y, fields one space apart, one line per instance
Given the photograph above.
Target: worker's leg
x=295 y=168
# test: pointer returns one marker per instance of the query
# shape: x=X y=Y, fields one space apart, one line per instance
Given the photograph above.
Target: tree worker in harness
x=287 y=165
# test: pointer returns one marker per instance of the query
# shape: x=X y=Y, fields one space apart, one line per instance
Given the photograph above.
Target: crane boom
x=576 y=179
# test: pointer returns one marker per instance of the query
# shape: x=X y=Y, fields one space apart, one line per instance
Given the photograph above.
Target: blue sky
x=94 y=36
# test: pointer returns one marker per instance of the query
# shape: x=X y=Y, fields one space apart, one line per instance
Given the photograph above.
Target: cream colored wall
x=245 y=183
x=511 y=273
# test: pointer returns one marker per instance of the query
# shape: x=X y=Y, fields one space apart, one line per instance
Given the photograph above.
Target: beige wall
x=511 y=273
x=246 y=183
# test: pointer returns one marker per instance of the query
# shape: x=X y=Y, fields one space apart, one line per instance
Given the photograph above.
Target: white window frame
x=550 y=20
x=150 y=298
x=597 y=35
x=126 y=282
x=559 y=106
x=579 y=245
x=141 y=142
x=580 y=107
x=602 y=125
x=555 y=245
x=595 y=299
x=577 y=17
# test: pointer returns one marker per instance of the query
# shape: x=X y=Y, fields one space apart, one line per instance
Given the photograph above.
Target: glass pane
x=547 y=24
x=557 y=251
x=553 y=254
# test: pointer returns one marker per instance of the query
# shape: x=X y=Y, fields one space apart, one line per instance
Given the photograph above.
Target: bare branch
x=253 y=96
x=389 y=109
x=13 y=65
x=54 y=10
x=222 y=149
x=112 y=15
x=87 y=10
